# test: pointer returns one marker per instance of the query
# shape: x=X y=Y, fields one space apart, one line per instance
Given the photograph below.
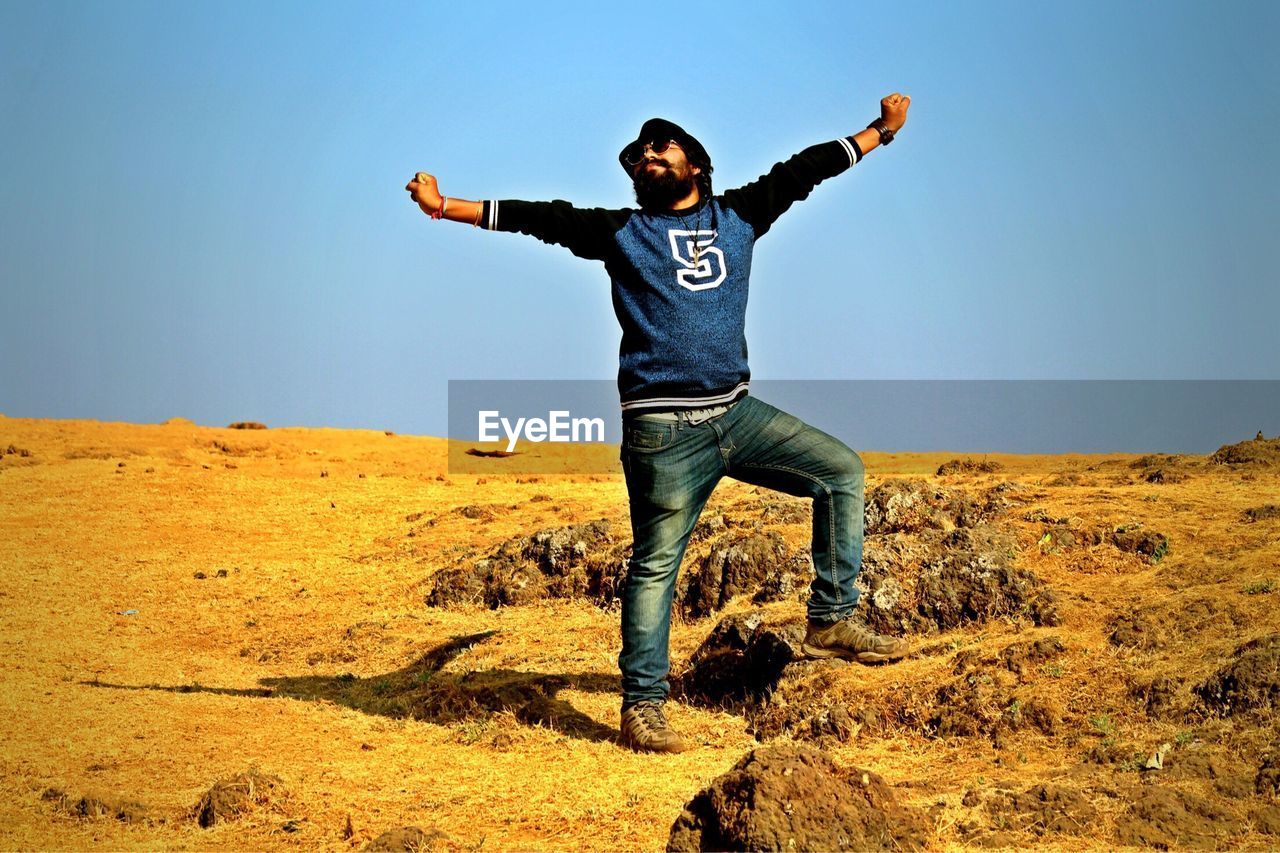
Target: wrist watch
x=886 y=135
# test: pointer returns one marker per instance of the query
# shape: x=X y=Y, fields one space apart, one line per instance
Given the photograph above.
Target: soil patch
x=96 y=806
x=968 y=466
x=1042 y=810
x=556 y=562
x=1262 y=513
x=797 y=798
x=1165 y=818
x=408 y=839
x=1258 y=452
x=230 y=798
x=1251 y=681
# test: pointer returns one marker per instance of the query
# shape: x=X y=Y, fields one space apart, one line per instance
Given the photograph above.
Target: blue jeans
x=671 y=470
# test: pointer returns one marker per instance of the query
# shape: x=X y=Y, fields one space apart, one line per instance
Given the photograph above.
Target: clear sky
x=204 y=216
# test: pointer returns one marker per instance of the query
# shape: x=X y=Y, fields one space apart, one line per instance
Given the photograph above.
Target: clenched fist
x=893 y=110
x=423 y=190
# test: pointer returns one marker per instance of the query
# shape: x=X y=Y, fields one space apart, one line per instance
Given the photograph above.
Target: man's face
x=663 y=179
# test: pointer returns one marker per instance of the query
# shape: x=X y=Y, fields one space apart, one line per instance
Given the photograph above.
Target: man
x=680 y=267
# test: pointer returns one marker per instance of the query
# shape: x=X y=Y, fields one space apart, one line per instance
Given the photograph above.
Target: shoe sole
x=859 y=657
x=636 y=747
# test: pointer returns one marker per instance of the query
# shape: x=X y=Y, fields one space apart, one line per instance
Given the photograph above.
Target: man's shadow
x=421 y=691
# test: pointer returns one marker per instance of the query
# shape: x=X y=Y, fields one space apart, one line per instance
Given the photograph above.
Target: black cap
x=660 y=129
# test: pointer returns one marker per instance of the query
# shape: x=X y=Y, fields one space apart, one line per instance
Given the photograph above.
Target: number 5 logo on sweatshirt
x=703 y=263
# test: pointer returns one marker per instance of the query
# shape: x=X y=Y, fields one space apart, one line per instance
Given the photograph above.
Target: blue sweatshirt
x=679 y=277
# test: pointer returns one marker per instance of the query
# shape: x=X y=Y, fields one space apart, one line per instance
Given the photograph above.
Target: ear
x=697 y=170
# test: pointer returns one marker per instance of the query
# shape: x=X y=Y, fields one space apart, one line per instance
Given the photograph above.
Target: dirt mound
x=1163 y=696
x=232 y=797
x=968 y=466
x=1267 y=782
x=1133 y=539
x=757 y=668
x=1137 y=629
x=910 y=506
x=741 y=659
x=1167 y=468
x=988 y=698
x=942 y=581
x=1256 y=453
x=1166 y=818
x=408 y=839
x=179 y=422
x=1251 y=681
x=1262 y=513
x=95 y=806
x=797 y=798
x=739 y=564
x=1041 y=810
x=556 y=562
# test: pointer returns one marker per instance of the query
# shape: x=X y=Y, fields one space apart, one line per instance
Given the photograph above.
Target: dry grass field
x=180 y=604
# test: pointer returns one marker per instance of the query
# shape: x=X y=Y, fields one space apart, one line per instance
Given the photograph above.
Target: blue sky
x=204 y=214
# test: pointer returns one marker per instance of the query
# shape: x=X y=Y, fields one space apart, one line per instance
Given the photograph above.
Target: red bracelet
x=444 y=202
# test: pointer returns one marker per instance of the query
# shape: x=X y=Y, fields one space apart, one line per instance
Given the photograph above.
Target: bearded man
x=679 y=267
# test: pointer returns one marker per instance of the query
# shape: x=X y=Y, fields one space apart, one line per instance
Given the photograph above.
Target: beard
x=663 y=188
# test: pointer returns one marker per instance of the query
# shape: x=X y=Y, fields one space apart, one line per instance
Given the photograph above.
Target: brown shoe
x=645 y=729
x=851 y=640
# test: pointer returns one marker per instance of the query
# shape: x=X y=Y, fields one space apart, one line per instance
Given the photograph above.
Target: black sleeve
x=763 y=200
x=587 y=232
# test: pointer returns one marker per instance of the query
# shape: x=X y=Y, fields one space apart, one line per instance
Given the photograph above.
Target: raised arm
x=587 y=232
x=426 y=192
x=763 y=200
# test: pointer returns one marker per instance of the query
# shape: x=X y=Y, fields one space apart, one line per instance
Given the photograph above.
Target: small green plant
x=1103 y=725
x=1260 y=587
x=382 y=686
x=1053 y=670
x=1183 y=738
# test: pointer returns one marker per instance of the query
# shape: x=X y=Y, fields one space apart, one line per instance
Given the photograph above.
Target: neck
x=688 y=201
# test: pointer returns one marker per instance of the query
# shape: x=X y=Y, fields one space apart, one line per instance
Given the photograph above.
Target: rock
x=232 y=797
x=797 y=798
x=1250 y=681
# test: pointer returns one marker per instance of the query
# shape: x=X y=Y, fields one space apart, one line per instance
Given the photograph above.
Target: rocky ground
x=265 y=638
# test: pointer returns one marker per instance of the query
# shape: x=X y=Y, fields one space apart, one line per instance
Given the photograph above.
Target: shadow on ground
x=422 y=691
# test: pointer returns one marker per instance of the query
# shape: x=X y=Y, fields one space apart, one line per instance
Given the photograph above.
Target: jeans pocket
x=646 y=436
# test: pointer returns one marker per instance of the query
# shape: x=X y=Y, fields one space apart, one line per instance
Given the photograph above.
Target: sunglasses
x=634 y=153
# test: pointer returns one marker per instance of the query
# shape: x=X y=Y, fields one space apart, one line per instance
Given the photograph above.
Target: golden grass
x=285 y=662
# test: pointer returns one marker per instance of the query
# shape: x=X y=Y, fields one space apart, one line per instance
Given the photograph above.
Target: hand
x=423 y=190
x=893 y=110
